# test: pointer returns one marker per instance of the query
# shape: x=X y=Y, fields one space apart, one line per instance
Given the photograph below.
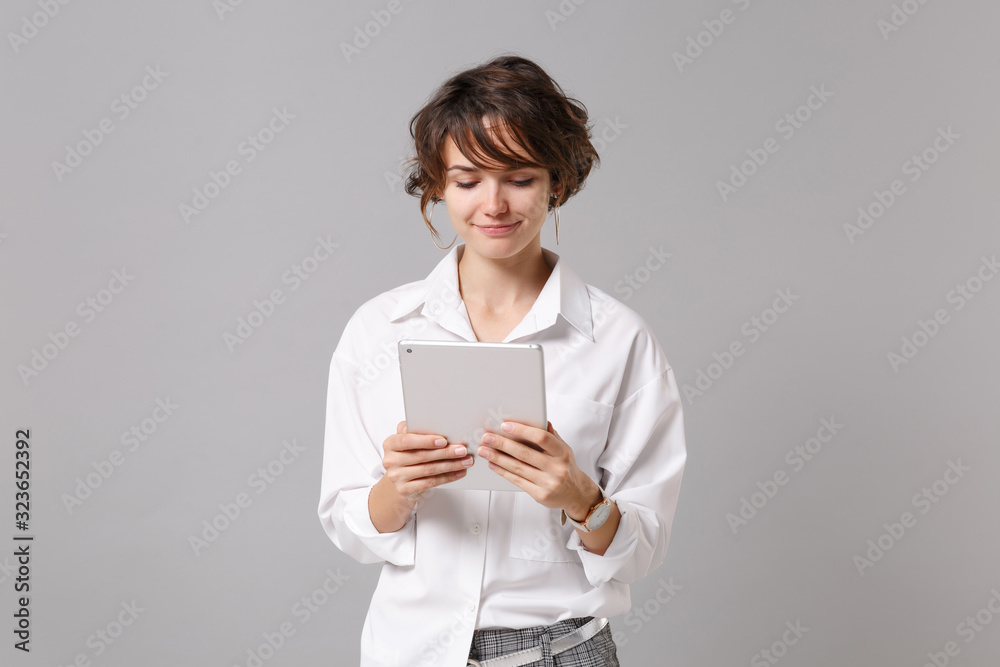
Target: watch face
x=599 y=516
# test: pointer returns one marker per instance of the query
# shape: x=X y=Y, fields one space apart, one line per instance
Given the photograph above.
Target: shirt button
x=476 y=529
x=472 y=607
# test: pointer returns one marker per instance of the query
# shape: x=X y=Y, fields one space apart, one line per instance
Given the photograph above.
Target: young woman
x=472 y=576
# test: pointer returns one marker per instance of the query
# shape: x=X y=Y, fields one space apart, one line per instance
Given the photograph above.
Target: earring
x=555 y=214
x=429 y=217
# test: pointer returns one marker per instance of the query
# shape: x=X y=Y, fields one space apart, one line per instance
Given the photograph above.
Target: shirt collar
x=564 y=294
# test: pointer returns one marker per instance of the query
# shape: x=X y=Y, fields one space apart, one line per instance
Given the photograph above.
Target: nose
x=495 y=201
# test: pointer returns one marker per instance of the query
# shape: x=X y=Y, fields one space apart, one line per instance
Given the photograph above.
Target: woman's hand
x=414 y=463
x=540 y=462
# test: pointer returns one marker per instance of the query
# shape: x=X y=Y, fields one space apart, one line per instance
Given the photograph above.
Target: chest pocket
x=583 y=424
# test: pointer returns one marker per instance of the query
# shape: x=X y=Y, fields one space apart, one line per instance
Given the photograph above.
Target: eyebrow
x=462 y=167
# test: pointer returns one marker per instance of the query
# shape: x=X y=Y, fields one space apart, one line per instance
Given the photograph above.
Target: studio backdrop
x=798 y=197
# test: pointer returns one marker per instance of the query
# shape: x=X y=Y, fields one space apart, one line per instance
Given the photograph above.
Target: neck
x=498 y=284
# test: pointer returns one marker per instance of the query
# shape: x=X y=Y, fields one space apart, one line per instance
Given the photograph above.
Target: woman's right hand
x=414 y=463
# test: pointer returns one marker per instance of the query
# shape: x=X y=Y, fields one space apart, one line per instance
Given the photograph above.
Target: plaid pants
x=598 y=651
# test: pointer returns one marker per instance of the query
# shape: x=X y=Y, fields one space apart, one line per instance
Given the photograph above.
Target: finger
x=401 y=427
x=538 y=438
x=410 y=441
x=414 y=457
x=421 y=484
x=506 y=462
x=527 y=453
x=404 y=462
x=511 y=477
x=401 y=472
x=437 y=468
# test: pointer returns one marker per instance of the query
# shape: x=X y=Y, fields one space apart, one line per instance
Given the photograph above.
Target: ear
x=556 y=188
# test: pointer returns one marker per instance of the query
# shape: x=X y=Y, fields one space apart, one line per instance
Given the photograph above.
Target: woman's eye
x=472 y=184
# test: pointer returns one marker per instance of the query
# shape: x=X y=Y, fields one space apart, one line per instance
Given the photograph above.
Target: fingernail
x=507 y=426
x=440 y=442
x=460 y=450
x=483 y=451
x=467 y=462
x=487 y=439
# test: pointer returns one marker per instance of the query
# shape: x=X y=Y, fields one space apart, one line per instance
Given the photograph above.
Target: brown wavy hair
x=512 y=92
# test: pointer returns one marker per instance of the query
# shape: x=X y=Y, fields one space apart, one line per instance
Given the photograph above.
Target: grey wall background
x=723 y=596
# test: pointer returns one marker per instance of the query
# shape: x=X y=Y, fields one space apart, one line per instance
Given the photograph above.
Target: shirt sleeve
x=352 y=464
x=641 y=472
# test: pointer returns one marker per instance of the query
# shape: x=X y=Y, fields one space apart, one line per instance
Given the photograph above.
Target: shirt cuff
x=601 y=569
x=397 y=547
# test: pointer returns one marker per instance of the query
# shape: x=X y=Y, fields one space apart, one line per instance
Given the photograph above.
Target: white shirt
x=469 y=559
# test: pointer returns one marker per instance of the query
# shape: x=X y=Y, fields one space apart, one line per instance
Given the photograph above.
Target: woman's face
x=497 y=213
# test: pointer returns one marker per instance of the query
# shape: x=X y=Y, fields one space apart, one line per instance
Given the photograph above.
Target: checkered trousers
x=598 y=651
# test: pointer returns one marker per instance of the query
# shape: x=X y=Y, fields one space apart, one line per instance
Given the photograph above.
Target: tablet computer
x=457 y=388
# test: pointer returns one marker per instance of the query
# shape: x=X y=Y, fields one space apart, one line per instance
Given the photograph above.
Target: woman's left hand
x=540 y=462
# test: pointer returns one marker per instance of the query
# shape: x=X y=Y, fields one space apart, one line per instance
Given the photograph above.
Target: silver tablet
x=456 y=389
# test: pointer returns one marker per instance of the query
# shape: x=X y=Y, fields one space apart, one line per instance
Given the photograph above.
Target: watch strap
x=563 y=518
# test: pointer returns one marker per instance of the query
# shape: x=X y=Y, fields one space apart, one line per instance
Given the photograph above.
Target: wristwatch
x=598 y=514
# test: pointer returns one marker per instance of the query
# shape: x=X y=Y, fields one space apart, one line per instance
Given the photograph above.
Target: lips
x=494 y=230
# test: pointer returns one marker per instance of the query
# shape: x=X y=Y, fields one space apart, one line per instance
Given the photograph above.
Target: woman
x=470 y=576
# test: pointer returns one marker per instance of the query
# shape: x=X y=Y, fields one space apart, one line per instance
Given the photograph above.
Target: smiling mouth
x=497 y=226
